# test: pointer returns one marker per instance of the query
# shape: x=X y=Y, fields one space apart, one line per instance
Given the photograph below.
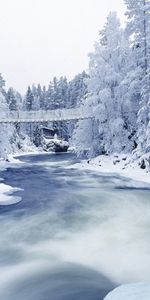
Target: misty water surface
x=75 y=234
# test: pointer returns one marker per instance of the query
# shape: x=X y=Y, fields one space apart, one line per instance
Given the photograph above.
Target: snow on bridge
x=40 y=116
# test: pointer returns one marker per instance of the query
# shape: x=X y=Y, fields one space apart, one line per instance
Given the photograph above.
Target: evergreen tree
x=77 y=89
x=50 y=100
x=11 y=99
x=2 y=82
x=43 y=98
x=62 y=92
x=29 y=99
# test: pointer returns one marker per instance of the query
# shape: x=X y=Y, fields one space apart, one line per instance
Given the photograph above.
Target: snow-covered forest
x=116 y=88
x=119 y=86
x=59 y=94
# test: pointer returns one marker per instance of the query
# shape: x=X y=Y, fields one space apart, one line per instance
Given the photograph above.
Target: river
x=74 y=235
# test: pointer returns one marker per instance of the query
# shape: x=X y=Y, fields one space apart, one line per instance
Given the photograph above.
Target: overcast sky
x=40 y=39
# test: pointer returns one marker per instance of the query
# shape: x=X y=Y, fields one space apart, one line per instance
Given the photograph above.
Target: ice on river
x=6 y=197
x=137 y=291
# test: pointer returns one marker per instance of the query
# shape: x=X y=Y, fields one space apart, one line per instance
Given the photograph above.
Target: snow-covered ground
x=137 y=291
x=6 y=197
x=6 y=191
x=123 y=165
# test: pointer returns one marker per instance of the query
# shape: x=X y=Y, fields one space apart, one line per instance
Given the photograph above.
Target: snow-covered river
x=75 y=235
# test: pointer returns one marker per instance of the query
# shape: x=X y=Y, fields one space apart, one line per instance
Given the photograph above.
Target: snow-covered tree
x=2 y=82
x=77 y=89
x=29 y=99
x=106 y=88
x=11 y=99
x=138 y=28
x=62 y=92
x=8 y=135
x=43 y=98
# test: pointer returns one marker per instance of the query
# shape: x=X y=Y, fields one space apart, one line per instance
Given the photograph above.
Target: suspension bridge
x=40 y=116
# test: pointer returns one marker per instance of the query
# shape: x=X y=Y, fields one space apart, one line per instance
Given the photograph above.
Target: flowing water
x=75 y=234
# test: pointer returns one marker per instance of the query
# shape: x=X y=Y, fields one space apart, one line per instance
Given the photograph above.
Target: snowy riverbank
x=123 y=165
x=137 y=291
x=6 y=191
x=6 y=197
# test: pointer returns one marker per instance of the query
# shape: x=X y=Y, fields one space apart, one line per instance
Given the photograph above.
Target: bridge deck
x=40 y=116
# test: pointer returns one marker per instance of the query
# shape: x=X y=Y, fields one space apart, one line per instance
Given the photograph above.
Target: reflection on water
x=75 y=234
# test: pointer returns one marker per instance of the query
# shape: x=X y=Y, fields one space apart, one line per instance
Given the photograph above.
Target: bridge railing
x=45 y=115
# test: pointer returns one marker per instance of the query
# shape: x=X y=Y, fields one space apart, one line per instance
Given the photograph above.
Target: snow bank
x=124 y=165
x=55 y=145
x=6 y=197
x=137 y=291
x=6 y=191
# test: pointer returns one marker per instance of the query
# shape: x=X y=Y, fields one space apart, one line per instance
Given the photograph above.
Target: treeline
x=60 y=93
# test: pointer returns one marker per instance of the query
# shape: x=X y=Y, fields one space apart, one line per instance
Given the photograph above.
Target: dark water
x=75 y=234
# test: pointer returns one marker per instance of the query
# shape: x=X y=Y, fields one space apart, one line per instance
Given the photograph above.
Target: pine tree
x=2 y=82
x=50 y=100
x=62 y=92
x=11 y=99
x=77 y=89
x=43 y=97
x=29 y=99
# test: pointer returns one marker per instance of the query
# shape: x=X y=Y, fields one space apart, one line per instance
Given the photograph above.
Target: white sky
x=40 y=39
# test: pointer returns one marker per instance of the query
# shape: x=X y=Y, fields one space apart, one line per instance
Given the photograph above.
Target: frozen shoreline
x=6 y=197
x=136 y=291
x=6 y=191
x=122 y=165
